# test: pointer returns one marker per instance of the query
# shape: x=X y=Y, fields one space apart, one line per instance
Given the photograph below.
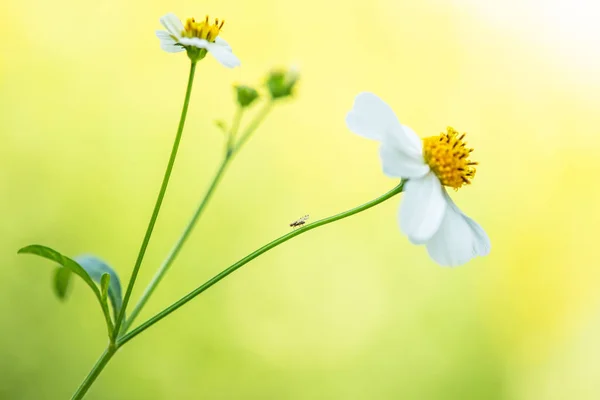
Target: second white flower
x=427 y=214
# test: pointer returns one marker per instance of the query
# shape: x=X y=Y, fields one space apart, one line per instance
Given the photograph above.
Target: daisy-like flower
x=197 y=38
x=427 y=214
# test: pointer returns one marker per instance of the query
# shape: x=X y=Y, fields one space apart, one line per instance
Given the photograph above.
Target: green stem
x=127 y=337
x=91 y=377
x=109 y=323
x=232 y=150
x=253 y=125
x=158 y=203
x=235 y=125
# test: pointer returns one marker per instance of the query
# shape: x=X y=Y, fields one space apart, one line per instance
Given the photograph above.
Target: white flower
x=197 y=38
x=427 y=213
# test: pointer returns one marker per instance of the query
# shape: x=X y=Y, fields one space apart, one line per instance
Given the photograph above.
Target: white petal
x=222 y=42
x=223 y=54
x=168 y=43
x=164 y=35
x=458 y=240
x=371 y=117
x=172 y=24
x=407 y=141
x=397 y=164
x=422 y=208
x=196 y=42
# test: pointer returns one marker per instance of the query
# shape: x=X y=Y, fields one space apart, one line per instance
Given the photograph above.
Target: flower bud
x=281 y=82
x=245 y=95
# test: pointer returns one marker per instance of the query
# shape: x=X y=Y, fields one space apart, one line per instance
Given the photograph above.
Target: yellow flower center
x=448 y=158
x=202 y=30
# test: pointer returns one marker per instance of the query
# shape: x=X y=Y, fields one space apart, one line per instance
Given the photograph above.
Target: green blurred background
x=88 y=109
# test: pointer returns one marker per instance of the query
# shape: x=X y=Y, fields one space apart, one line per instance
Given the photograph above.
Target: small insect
x=299 y=222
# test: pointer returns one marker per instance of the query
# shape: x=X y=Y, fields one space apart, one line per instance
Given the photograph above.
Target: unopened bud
x=245 y=95
x=281 y=82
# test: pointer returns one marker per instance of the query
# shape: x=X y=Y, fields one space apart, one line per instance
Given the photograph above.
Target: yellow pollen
x=448 y=157
x=202 y=30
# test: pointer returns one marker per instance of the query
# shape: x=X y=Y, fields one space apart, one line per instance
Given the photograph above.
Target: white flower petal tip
x=371 y=117
x=168 y=43
x=458 y=240
x=222 y=42
x=422 y=209
x=224 y=55
x=172 y=24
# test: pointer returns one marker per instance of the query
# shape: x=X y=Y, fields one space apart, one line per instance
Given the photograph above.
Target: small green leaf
x=221 y=125
x=62 y=279
x=97 y=268
x=66 y=262
x=72 y=266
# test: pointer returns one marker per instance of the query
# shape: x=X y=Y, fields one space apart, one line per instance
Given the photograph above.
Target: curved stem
x=127 y=337
x=230 y=153
x=98 y=367
x=161 y=195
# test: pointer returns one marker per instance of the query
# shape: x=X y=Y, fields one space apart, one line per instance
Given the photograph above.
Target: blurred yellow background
x=88 y=109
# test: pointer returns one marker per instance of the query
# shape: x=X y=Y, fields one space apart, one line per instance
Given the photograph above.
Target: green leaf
x=97 y=268
x=62 y=279
x=72 y=266
x=53 y=255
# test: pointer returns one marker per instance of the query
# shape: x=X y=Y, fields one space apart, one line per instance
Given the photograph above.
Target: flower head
x=427 y=213
x=197 y=38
